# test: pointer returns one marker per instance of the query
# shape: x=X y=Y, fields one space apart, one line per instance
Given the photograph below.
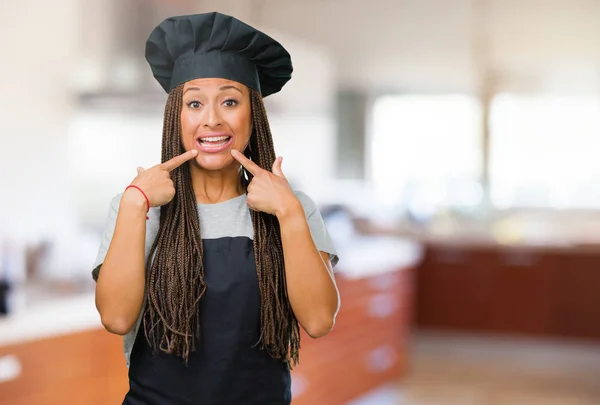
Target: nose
x=212 y=119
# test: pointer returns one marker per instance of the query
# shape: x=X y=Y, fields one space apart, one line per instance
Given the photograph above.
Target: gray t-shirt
x=229 y=218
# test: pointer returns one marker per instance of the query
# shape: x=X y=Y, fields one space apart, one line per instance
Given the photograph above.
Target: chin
x=214 y=162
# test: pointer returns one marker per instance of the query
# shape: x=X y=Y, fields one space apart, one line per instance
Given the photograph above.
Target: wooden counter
x=533 y=290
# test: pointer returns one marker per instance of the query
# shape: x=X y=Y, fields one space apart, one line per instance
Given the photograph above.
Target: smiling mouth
x=214 y=140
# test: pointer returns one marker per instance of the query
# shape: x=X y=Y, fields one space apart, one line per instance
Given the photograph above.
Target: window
x=426 y=151
x=545 y=151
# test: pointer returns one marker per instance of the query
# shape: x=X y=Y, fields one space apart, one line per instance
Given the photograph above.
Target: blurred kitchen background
x=453 y=147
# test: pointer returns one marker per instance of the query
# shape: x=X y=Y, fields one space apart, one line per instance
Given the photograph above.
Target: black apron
x=227 y=367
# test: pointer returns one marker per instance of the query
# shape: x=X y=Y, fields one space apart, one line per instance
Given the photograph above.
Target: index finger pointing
x=252 y=167
x=177 y=161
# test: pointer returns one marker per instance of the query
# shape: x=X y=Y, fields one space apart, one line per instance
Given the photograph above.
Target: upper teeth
x=215 y=138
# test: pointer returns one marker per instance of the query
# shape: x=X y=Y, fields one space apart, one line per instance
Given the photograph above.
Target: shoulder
x=115 y=201
x=308 y=203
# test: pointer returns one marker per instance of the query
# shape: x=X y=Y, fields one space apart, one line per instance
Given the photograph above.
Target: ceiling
x=431 y=45
x=386 y=45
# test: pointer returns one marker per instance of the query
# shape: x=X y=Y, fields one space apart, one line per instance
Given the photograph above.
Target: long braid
x=175 y=276
x=280 y=333
x=175 y=281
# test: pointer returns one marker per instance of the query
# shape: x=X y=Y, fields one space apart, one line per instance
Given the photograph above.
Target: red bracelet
x=145 y=196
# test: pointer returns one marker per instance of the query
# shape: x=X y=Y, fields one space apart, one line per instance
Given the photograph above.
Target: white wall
x=37 y=40
x=427 y=45
x=107 y=147
x=307 y=144
x=424 y=45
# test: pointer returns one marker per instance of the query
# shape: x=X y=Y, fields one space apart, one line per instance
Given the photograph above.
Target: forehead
x=214 y=84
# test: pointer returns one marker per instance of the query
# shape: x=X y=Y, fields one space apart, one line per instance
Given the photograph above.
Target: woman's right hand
x=156 y=181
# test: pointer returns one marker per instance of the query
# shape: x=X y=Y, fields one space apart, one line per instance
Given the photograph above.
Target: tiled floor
x=468 y=370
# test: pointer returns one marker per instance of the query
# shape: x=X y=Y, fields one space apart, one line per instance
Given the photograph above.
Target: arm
x=311 y=287
x=120 y=284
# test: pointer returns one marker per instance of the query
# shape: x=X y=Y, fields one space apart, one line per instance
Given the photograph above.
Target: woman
x=210 y=261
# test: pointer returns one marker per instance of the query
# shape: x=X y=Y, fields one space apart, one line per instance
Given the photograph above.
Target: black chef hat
x=217 y=46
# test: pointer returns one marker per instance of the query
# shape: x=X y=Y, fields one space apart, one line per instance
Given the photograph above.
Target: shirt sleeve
x=318 y=231
x=109 y=229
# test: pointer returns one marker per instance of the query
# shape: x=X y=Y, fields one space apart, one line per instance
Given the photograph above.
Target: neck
x=216 y=186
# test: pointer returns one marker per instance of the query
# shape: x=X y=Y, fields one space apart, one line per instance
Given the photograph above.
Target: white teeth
x=215 y=139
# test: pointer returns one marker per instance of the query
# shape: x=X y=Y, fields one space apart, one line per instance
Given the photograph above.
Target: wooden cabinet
x=81 y=368
x=457 y=281
x=520 y=293
x=367 y=347
x=576 y=292
x=524 y=290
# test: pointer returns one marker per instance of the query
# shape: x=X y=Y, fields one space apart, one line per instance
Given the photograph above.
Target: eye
x=230 y=102
x=194 y=104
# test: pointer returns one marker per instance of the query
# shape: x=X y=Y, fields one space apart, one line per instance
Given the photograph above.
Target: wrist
x=291 y=209
x=134 y=200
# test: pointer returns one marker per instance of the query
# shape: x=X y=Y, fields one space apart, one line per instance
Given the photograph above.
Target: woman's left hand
x=267 y=192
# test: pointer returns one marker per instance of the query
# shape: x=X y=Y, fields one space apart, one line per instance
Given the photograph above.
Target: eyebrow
x=228 y=87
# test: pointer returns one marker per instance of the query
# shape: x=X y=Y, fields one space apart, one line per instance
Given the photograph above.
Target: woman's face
x=215 y=118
